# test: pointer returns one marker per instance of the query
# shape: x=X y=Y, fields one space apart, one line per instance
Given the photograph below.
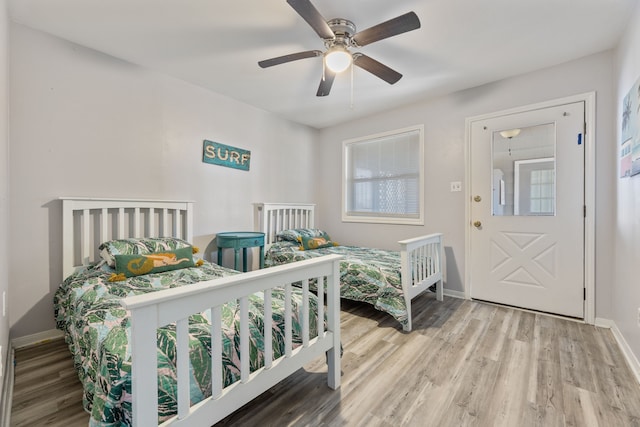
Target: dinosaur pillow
x=138 y=264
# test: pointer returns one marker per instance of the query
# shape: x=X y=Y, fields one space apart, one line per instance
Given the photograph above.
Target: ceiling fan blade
x=401 y=24
x=326 y=83
x=288 y=58
x=310 y=14
x=376 y=68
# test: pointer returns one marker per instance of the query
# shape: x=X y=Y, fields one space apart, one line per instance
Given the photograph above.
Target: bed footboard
x=421 y=259
x=154 y=310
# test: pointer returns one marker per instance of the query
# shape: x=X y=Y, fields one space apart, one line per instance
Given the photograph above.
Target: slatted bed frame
x=88 y=221
x=421 y=258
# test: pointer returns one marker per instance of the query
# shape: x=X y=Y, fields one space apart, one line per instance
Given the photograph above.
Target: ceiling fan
x=339 y=35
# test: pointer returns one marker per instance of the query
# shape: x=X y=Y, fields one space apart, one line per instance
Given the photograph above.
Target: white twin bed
x=181 y=352
x=388 y=280
x=191 y=345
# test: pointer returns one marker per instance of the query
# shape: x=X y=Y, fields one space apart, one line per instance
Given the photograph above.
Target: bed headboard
x=87 y=222
x=271 y=218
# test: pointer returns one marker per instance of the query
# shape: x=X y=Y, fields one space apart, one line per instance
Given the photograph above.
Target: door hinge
x=584 y=211
x=584 y=128
x=584 y=294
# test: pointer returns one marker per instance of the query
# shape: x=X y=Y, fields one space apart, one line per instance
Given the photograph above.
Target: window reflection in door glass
x=524 y=171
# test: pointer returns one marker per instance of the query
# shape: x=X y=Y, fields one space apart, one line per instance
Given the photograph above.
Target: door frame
x=589 y=99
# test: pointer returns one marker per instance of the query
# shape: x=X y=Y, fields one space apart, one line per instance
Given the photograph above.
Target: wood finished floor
x=465 y=364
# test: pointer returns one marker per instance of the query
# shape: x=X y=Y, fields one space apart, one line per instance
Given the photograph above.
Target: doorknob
x=477 y=224
x=477 y=198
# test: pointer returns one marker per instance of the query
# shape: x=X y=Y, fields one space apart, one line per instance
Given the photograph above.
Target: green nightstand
x=240 y=240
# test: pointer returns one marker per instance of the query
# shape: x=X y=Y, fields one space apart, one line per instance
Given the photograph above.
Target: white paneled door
x=527 y=209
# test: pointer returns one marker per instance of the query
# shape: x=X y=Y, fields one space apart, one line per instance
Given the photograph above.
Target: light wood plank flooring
x=46 y=389
x=465 y=364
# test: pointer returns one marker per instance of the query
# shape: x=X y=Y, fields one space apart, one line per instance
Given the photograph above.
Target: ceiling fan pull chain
x=324 y=67
x=351 y=106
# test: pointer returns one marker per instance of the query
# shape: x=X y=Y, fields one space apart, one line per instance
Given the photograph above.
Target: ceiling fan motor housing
x=343 y=30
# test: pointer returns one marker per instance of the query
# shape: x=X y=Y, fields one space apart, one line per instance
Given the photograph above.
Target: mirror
x=523 y=171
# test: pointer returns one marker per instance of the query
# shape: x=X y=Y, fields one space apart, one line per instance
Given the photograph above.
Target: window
x=383 y=177
x=535 y=187
x=542 y=186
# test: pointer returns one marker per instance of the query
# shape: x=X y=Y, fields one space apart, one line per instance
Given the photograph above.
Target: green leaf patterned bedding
x=369 y=275
x=97 y=330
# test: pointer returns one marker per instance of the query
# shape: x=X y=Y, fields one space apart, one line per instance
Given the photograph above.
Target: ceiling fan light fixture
x=338 y=59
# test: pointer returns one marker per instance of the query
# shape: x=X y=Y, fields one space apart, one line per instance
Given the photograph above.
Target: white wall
x=86 y=124
x=444 y=121
x=625 y=291
x=4 y=182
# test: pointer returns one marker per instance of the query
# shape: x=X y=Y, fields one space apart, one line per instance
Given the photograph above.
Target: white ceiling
x=216 y=44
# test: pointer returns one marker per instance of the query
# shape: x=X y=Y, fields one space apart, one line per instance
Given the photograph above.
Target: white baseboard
x=631 y=358
x=604 y=323
x=7 y=390
x=37 y=338
x=454 y=294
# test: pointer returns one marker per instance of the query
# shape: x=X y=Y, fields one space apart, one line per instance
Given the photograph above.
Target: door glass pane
x=524 y=171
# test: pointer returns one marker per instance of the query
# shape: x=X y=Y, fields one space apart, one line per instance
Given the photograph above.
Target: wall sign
x=224 y=155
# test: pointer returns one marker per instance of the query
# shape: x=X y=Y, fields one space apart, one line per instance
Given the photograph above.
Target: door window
x=524 y=175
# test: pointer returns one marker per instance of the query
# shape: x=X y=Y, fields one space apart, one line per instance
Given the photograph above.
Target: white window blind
x=383 y=176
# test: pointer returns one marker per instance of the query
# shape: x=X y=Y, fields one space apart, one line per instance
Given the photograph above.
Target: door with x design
x=527 y=209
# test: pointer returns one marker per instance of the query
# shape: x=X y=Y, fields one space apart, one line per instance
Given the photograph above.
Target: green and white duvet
x=97 y=330
x=368 y=275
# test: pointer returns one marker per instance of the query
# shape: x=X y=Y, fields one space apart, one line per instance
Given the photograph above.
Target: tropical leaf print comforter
x=369 y=275
x=97 y=330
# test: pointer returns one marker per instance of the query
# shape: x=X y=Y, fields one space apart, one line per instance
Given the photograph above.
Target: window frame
x=518 y=166
x=384 y=219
